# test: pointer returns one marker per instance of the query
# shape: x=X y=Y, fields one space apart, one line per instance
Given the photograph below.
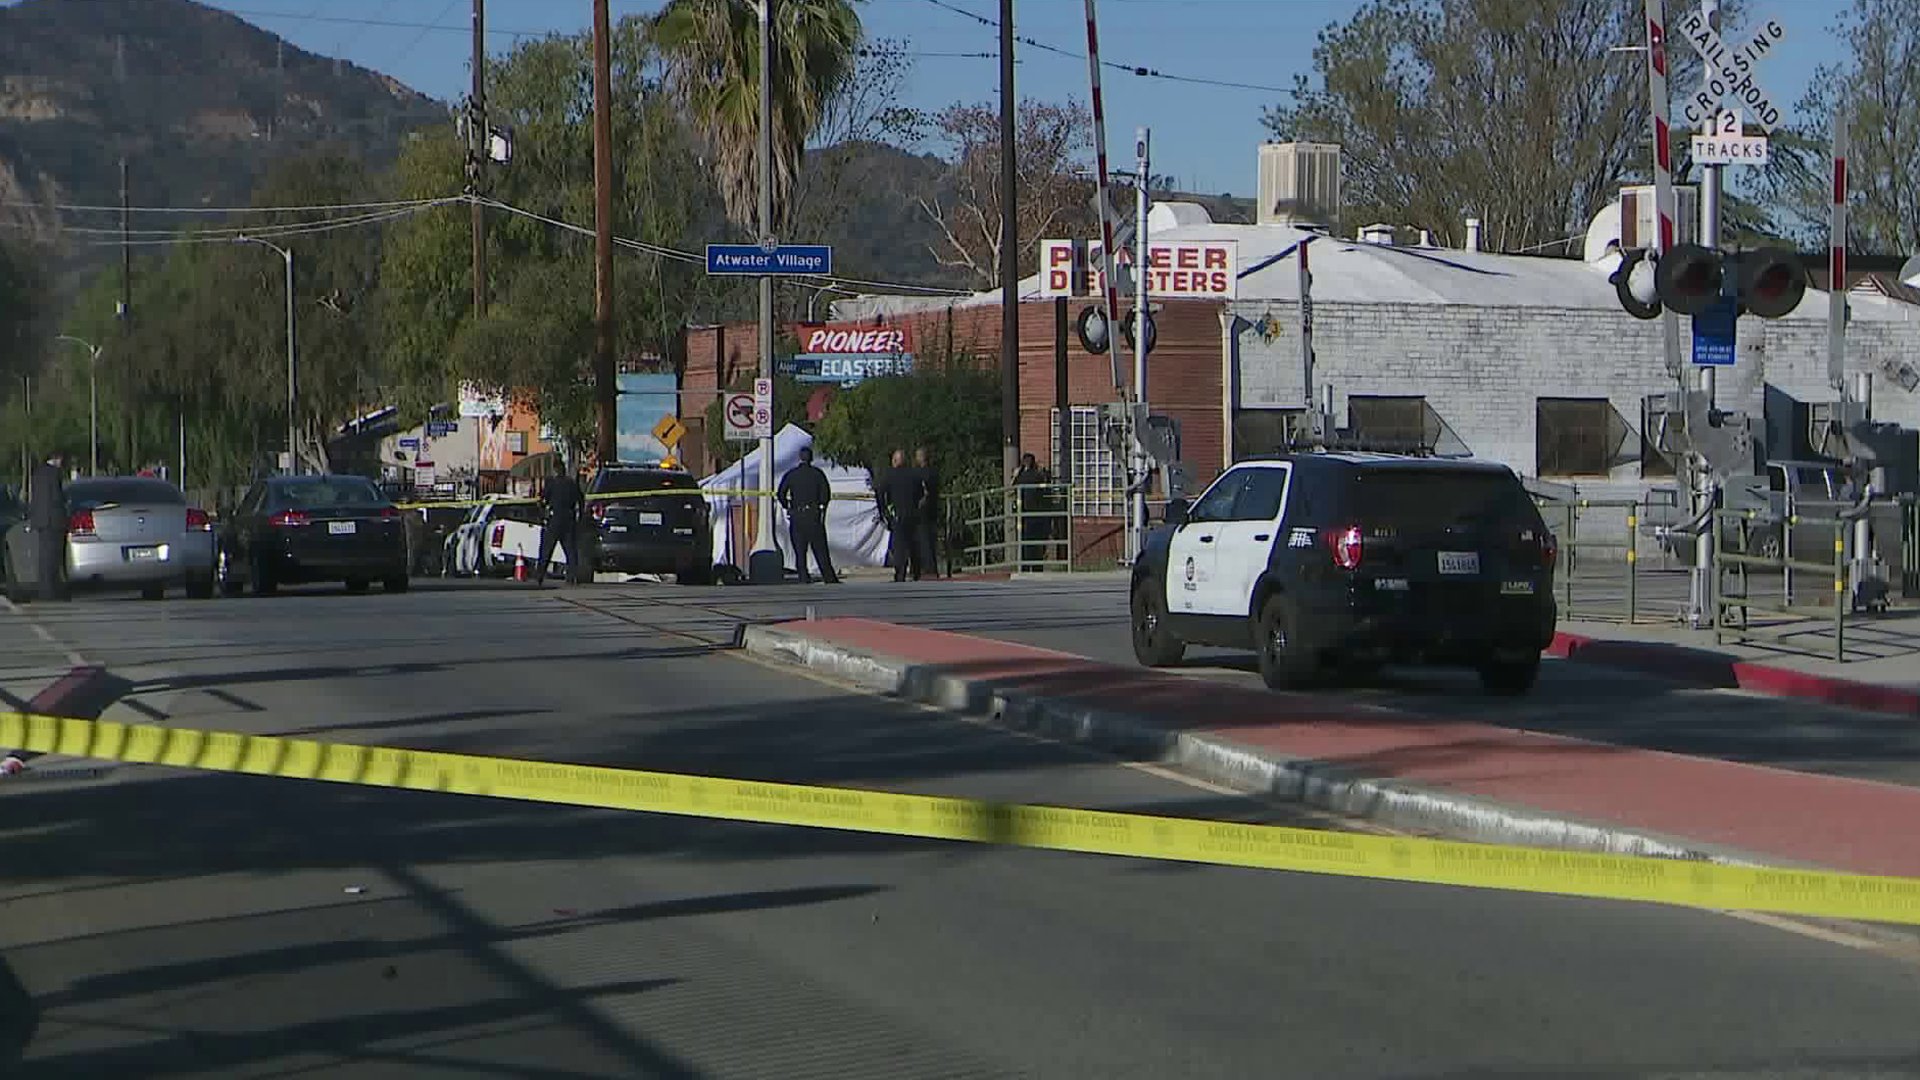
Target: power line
x=398 y=24
x=1139 y=70
x=265 y=232
x=100 y=208
x=700 y=260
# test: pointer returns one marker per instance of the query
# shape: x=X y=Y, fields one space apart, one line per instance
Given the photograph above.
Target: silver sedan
x=123 y=532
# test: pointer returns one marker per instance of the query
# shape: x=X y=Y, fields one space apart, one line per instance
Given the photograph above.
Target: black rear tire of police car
x=1284 y=663
x=1154 y=643
x=399 y=583
x=1509 y=678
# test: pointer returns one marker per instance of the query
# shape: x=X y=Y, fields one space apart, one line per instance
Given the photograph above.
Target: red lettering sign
x=857 y=339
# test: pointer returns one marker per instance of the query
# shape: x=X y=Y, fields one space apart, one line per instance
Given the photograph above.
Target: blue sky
x=1203 y=135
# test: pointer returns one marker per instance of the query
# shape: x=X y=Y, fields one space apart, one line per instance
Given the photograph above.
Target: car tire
x=700 y=573
x=262 y=579
x=357 y=585
x=1154 y=643
x=200 y=588
x=1284 y=664
x=223 y=576
x=1509 y=678
x=399 y=583
x=153 y=592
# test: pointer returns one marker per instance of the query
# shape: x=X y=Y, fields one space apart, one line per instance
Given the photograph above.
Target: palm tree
x=712 y=50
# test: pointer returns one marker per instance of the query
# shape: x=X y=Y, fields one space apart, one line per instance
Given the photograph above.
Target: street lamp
x=293 y=454
x=93 y=402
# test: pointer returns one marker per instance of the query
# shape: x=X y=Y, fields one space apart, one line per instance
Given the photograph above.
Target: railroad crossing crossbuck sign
x=1729 y=87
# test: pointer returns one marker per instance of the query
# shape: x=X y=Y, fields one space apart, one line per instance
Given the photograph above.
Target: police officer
x=47 y=514
x=804 y=493
x=902 y=496
x=563 y=500
x=931 y=517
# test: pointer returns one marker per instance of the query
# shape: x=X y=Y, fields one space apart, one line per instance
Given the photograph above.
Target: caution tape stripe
x=1221 y=843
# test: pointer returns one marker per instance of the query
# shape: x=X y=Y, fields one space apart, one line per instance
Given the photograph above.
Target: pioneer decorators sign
x=849 y=352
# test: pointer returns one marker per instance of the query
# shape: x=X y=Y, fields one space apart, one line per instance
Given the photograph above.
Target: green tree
x=950 y=406
x=713 y=53
x=536 y=336
x=1512 y=111
x=1878 y=87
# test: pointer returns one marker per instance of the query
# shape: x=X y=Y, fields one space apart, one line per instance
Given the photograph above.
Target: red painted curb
x=1706 y=668
x=53 y=699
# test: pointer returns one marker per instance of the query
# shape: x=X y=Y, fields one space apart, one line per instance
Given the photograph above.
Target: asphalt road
x=165 y=923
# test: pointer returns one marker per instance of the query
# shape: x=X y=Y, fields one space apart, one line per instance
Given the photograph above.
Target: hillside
x=198 y=100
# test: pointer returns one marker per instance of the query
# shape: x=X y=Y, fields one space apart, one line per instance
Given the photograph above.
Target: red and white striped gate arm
x=1662 y=162
x=1110 y=295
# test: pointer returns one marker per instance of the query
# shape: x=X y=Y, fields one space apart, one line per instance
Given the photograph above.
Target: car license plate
x=649 y=517
x=142 y=554
x=342 y=528
x=616 y=528
x=1459 y=562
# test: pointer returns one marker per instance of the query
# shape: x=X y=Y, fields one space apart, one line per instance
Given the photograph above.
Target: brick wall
x=1183 y=380
x=1482 y=369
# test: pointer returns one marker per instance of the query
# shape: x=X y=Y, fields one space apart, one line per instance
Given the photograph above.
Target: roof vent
x=1377 y=234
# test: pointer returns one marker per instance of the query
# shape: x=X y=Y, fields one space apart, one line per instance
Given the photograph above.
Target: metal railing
x=1599 y=576
x=1026 y=527
x=1740 y=540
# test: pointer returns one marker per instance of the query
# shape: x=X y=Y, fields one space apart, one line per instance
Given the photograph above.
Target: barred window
x=1099 y=476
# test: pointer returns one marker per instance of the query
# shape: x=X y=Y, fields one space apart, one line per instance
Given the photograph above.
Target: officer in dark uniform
x=902 y=496
x=931 y=516
x=47 y=515
x=804 y=492
x=563 y=500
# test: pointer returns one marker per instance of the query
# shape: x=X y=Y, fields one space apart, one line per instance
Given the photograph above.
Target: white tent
x=855 y=534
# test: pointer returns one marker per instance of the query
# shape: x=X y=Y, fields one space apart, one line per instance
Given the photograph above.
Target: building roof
x=1353 y=271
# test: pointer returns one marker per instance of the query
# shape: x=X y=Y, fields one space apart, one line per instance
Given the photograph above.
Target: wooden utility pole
x=605 y=392
x=477 y=154
x=1009 y=257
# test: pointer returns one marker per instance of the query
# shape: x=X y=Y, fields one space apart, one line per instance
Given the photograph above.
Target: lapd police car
x=1345 y=560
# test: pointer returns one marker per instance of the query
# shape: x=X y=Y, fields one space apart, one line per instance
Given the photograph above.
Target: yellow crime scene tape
x=1221 y=843
x=506 y=500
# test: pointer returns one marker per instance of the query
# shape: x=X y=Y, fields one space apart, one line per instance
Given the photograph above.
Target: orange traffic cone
x=520 y=566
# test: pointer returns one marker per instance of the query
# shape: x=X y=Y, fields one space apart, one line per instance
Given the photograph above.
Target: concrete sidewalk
x=1451 y=776
x=1881 y=675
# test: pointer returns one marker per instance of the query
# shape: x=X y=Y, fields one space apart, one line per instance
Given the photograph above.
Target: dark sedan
x=292 y=530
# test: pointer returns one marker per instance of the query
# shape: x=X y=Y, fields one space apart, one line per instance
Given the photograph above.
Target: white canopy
x=855 y=534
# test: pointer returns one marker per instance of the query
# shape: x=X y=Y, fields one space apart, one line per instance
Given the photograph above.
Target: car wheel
x=357 y=585
x=700 y=573
x=223 y=575
x=153 y=592
x=263 y=583
x=1284 y=663
x=396 y=584
x=1154 y=643
x=1509 y=678
x=200 y=588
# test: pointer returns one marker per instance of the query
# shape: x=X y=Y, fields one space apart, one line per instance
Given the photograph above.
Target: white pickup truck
x=495 y=535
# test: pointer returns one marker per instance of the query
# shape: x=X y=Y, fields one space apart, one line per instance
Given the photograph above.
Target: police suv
x=1340 y=560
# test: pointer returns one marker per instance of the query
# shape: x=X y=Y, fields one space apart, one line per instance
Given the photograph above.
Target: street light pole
x=763 y=521
x=293 y=413
x=93 y=402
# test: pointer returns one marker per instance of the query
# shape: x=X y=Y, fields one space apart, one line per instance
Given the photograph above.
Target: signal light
x=1772 y=282
x=1633 y=283
x=1689 y=278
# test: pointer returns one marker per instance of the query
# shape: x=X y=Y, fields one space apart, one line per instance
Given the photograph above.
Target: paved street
x=160 y=923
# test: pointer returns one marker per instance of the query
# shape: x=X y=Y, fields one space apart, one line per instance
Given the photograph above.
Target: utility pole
x=605 y=416
x=126 y=310
x=1009 y=257
x=477 y=151
x=1317 y=421
x=764 y=564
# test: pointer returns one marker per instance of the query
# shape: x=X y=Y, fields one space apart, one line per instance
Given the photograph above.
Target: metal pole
x=763 y=523
x=1110 y=287
x=1009 y=255
x=126 y=292
x=1633 y=565
x=1837 y=262
x=605 y=399
x=93 y=414
x=1136 y=535
x=1703 y=550
x=1062 y=400
x=1317 y=422
x=293 y=381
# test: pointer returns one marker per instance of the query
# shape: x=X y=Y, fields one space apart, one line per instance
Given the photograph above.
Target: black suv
x=648 y=519
x=1352 y=560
